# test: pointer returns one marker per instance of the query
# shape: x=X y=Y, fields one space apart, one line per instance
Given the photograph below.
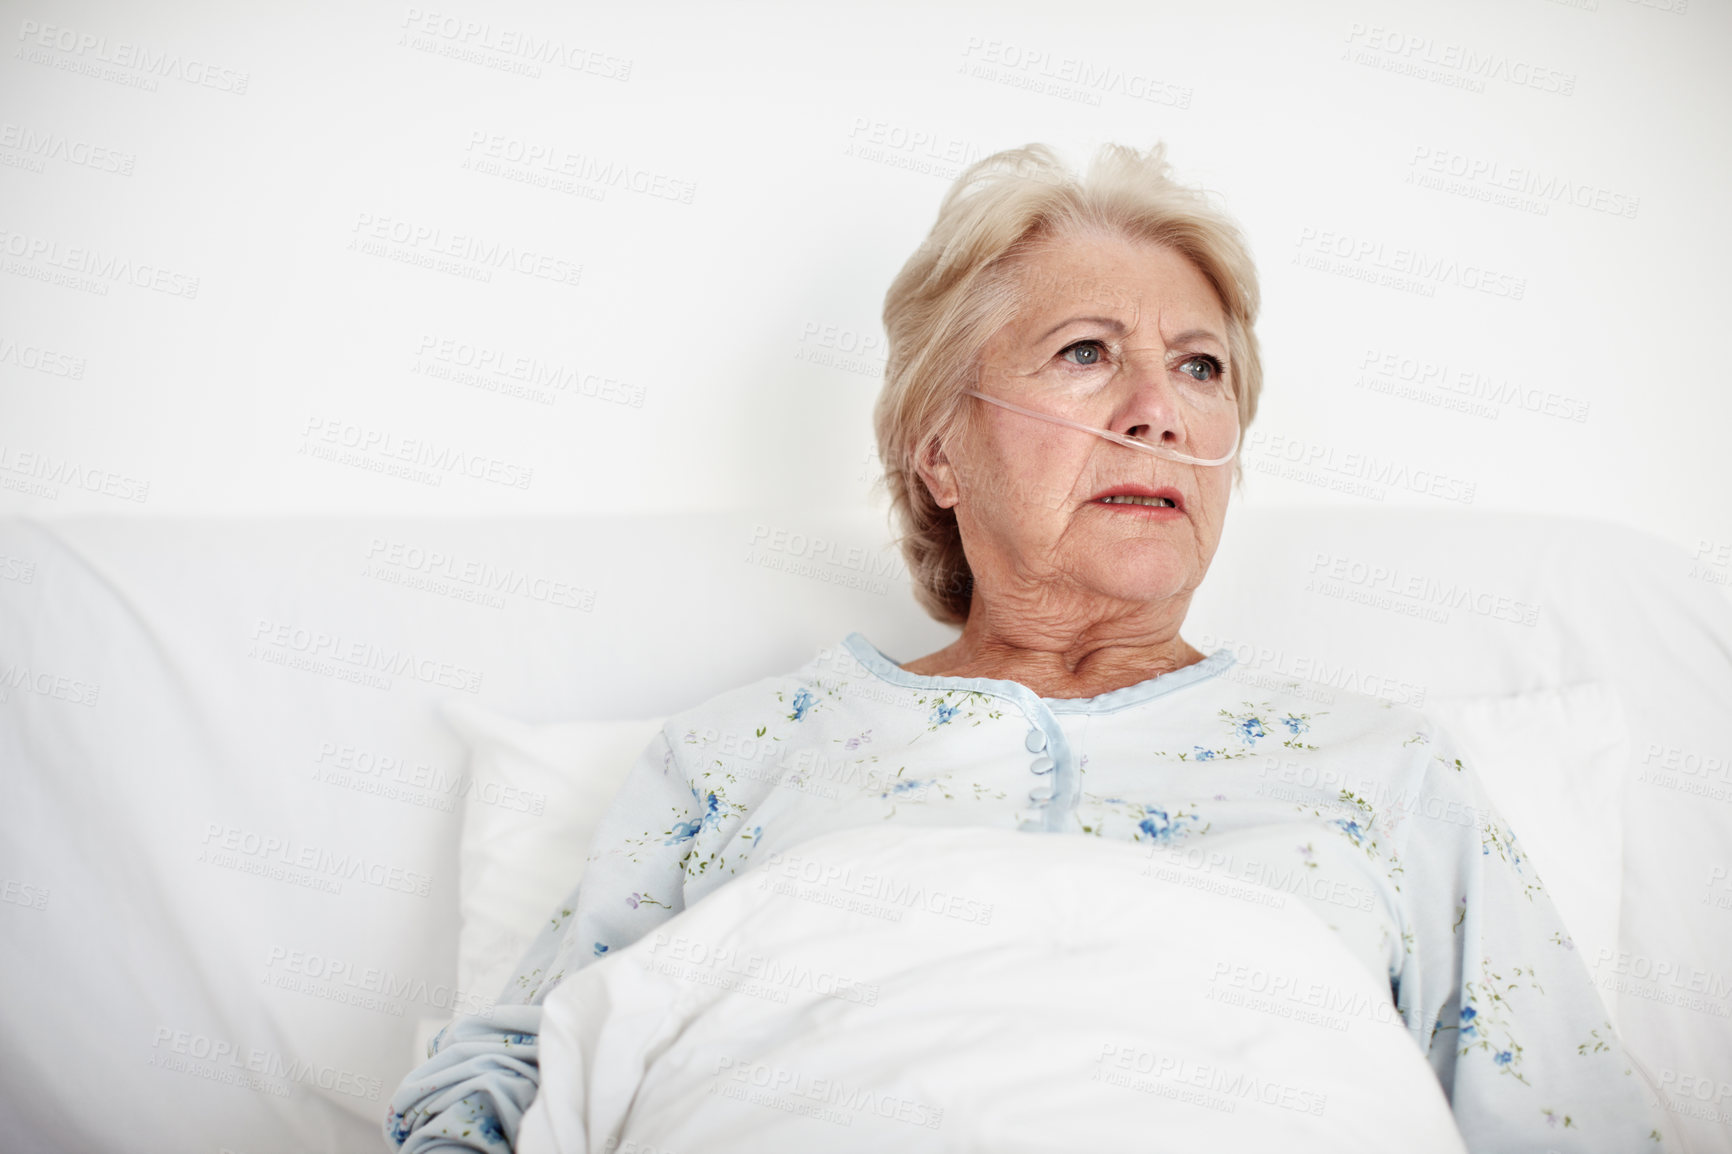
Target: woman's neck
x=1061 y=661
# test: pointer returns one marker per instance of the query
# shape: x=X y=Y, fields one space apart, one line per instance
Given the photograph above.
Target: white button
x=1042 y=765
x=1036 y=741
x=1040 y=795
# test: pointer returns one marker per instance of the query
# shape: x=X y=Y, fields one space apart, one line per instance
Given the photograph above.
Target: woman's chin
x=1163 y=561
x=1153 y=583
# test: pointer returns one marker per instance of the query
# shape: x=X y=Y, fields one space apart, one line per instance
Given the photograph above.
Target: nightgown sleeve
x=1492 y=986
x=482 y=1070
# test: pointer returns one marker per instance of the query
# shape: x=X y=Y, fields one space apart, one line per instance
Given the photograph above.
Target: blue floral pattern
x=1485 y=1019
x=1246 y=726
x=971 y=706
x=1481 y=969
x=1158 y=826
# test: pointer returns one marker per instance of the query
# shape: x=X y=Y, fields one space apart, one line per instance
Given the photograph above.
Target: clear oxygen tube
x=1153 y=447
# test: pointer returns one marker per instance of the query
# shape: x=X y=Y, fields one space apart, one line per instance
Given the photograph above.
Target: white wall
x=775 y=164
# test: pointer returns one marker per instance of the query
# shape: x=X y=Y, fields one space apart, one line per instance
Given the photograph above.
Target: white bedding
x=967 y=989
x=110 y=803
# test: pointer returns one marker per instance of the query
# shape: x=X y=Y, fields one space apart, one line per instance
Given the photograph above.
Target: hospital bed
x=282 y=795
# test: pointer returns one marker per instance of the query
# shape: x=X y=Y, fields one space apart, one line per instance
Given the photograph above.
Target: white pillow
x=537 y=794
x=1555 y=762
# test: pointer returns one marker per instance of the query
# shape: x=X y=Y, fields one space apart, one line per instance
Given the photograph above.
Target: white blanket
x=967 y=989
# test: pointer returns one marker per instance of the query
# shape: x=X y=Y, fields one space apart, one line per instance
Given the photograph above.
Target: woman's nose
x=1150 y=409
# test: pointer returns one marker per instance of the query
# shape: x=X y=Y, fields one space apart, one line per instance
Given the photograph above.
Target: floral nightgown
x=1359 y=806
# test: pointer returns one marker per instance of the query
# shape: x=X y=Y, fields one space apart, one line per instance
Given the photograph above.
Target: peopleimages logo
x=40 y=146
x=284 y=639
x=481 y=576
x=1463 y=390
x=1544 y=189
x=42 y=474
x=331 y=438
x=225 y=1061
x=1389 y=578
x=550 y=162
x=1213 y=1086
x=1272 y=451
x=1666 y=980
x=688 y=959
x=1422 y=55
x=376 y=988
x=230 y=846
x=87 y=50
x=886 y=889
x=105 y=267
x=59 y=686
x=418 y=783
x=1373 y=255
x=430 y=242
x=515 y=45
x=517 y=374
x=41 y=360
x=794 y=1090
x=1309 y=668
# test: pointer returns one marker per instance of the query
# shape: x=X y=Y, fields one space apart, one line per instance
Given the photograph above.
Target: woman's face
x=1117 y=333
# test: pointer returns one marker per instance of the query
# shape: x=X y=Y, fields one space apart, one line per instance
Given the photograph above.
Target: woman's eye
x=1211 y=368
x=1087 y=353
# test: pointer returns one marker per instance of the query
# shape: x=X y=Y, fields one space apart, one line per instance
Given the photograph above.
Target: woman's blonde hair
x=959 y=288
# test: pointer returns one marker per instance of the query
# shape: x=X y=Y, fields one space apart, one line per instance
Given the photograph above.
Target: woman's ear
x=937 y=472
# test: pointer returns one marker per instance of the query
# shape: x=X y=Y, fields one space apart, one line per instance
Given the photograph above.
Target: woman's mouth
x=1158 y=502
x=1142 y=500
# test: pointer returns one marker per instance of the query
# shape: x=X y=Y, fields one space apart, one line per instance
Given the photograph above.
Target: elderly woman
x=1072 y=364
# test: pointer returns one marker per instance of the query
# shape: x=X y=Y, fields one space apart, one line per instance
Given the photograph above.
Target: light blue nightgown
x=1362 y=807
